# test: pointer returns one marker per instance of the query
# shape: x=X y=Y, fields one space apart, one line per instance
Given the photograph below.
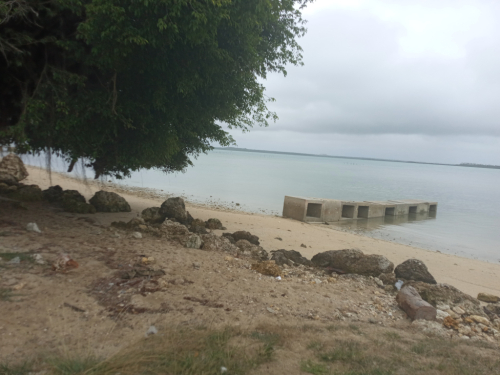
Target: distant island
x=356 y=158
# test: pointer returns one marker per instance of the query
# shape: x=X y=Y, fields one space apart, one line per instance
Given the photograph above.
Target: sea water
x=467 y=222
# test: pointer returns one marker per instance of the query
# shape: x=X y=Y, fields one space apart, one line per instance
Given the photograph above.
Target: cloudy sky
x=410 y=80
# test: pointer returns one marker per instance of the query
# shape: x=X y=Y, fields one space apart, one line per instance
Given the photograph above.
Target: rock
x=212 y=242
x=268 y=268
x=449 y=322
x=490 y=298
x=15 y=260
x=13 y=165
x=430 y=327
x=196 y=265
x=440 y=315
x=213 y=224
x=32 y=227
x=73 y=201
x=64 y=262
x=414 y=269
x=242 y=235
x=254 y=251
x=135 y=223
x=174 y=230
x=230 y=237
x=354 y=261
x=494 y=308
x=28 y=193
x=304 y=246
x=151 y=331
x=480 y=319
x=4 y=188
x=388 y=278
x=38 y=258
x=53 y=194
x=415 y=307
x=290 y=258
x=444 y=294
x=458 y=310
x=106 y=201
x=174 y=208
x=137 y=235
x=8 y=179
x=152 y=215
x=198 y=226
x=194 y=242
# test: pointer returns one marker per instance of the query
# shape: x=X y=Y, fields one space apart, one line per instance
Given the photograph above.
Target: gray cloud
x=358 y=79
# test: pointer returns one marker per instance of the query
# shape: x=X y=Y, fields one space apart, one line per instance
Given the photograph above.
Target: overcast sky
x=410 y=80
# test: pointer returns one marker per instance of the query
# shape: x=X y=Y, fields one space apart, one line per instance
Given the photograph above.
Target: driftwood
x=410 y=301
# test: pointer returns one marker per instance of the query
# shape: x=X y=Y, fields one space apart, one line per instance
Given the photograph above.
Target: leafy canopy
x=130 y=84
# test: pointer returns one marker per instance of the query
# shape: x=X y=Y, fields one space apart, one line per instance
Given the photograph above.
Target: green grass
x=73 y=365
x=7 y=294
x=314 y=368
x=19 y=369
x=24 y=257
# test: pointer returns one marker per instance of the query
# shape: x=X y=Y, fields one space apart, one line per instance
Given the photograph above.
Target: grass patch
x=19 y=369
x=6 y=294
x=314 y=368
x=24 y=257
x=73 y=365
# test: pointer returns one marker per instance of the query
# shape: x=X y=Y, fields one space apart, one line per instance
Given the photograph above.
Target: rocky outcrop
x=214 y=224
x=242 y=235
x=152 y=215
x=414 y=269
x=53 y=194
x=353 y=261
x=174 y=208
x=106 y=201
x=290 y=258
x=13 y=165
x=439 y=295
x=73 y=201
x=28 y=193
x=252 y=250
x=212 y=242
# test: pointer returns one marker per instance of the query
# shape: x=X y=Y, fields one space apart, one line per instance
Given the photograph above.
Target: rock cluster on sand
x=414 y=269
x=152 y=215
x=106 y=201
x=290 y=257
x=353 y=261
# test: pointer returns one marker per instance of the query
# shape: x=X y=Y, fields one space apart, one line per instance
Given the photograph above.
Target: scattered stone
x=490 y=298
x=18 y=286
x=174 y=230
x=278 y=238
x=242 y=235
x=268 y=268
x=388 y=278
x=32 y=227
x=15 y=260
x=354 y=261
x=254 y=251
x=174 y=208
x=212 y=242
x=441 y=315
x=196 y=265
x=451 y=323
x=152 y=215
x=38 y=258
x=106 y=201
x=135 y=222
x=13 y=165
x=414 y=269
x=290 y=258
x=272 y=311
x=430 y=327
x=213 y=224
x=63 y=263
x=458 y=310
x=415 y=307
x=444 y=294
x=194 y=242
x=480 y=319
x=137 y=235
x=304 y=246
x=151 y=331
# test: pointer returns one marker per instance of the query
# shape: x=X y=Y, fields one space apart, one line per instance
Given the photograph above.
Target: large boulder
x=213 y=224
x=447 y=295
x=212 y=242
x=414 y=269
x=7 y=179
x=73 y=201
x=242 y=235
x=289 y=257
x=354 y=261
x=252 y=250
x=28 y=193
x=13 y=165
x=174 y=208
x=53 y=194
x=106 y=201
x=152 y=215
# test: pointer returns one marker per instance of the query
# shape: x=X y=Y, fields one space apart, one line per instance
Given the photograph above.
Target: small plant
x=21 y=369
x=346 y=352
x=314 y=368
x=72 y=365
x=393 y=336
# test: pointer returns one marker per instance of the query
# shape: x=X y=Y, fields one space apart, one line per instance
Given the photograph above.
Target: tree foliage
x=130 y=84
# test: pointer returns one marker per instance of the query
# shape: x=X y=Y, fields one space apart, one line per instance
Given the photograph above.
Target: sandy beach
x=469 y=275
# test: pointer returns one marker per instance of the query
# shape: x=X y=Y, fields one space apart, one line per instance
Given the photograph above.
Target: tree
x=130 y=84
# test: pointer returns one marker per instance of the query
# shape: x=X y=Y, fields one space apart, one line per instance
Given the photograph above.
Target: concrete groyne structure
x=330 y=210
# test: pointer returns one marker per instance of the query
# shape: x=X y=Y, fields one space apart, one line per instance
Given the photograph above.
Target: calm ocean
x=467 y=222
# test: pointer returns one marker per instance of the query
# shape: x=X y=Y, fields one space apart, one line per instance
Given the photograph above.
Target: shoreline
x=469 y=275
